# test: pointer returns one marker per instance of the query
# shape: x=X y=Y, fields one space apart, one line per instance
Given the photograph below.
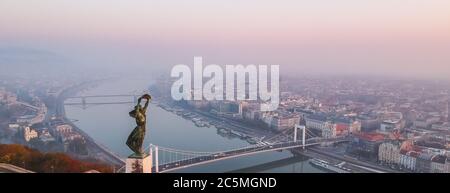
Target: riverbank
x=225 y=127
x=96 y=150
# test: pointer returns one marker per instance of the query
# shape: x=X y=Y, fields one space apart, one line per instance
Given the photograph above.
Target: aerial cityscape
x=359 y=125
x=334 y=89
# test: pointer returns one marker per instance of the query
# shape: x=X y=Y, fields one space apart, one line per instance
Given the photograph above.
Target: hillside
x=36 y=161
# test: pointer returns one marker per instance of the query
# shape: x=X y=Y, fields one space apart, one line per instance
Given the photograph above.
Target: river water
x=110 y=125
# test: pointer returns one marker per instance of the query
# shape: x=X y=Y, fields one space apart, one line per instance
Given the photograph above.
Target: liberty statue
x=136 y=138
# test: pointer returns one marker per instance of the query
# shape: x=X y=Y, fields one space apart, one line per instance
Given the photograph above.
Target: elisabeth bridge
x=169 y=159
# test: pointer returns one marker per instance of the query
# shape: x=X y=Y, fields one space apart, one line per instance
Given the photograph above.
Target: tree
x=78 y=146
x=36 y=143
x=36 y=161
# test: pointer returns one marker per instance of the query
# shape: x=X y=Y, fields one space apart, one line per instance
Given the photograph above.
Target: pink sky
x=315 y=35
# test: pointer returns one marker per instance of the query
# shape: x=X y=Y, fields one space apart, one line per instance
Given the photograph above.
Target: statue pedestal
x=139 y=164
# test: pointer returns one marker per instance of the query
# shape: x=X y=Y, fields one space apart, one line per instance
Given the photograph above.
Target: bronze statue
x=136 y=138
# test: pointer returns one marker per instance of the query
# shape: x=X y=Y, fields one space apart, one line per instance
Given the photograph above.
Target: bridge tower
x=156 y=160
x=303 y=128
x=303 y=136
x=135 y=99
x=295 y=133
x=83 y=102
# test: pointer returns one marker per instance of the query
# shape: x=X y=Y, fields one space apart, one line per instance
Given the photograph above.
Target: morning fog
x=249 y=83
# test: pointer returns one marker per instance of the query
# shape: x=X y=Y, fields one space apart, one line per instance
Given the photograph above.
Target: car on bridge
x=221 y=154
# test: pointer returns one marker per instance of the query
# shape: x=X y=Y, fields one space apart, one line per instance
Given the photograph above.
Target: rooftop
x=439 y=159
x=342 y=120
x=370 y=136
x=318 y=117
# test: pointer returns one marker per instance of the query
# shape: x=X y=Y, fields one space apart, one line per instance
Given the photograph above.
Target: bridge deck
x=99 y=96
x=235 y=153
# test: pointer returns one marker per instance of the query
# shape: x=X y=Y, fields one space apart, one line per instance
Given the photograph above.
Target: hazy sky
x=392 y=37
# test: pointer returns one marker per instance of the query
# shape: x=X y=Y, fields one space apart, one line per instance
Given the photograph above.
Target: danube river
x=110 y=125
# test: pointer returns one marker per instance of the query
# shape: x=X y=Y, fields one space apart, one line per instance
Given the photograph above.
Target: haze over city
x=399 y=38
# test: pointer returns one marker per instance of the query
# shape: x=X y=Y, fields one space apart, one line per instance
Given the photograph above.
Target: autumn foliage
x=46 y=162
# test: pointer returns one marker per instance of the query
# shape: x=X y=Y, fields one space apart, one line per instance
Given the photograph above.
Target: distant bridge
x=133 y=98
x=103 y=96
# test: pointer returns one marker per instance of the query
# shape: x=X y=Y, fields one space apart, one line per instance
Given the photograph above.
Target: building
x=317 y=121
x=445 y=126
x=228 y=109
x=447 y=165
x=423 y=162
x=366 y=144
x=320 y=125
x=355 y=127
x=198 y=104
x=65 y=133
x=67 y=137
x=329 y=132
x=345 y=126
x=389 y=152
x=29 y=134
x=46 y=137
x=408 y=159
x=438 y=164
x=391 y=121
x=283 y=122
x=252 y=114
x=25 y=119
x=341 y=129
x=64 y=128
x=332 y=127
x=425 y=122
x=421 y=123
x=266 y=118
x=390 y=125
x=368 y=123
x=303 y=112
x=14 y=127
x=7 y=97
x=433 y=143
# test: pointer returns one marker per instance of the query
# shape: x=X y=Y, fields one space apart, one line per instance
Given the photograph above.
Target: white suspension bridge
x=170 y=159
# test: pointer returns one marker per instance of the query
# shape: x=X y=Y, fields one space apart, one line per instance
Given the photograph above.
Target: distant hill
x=31 y=61
x=29 y=56
x=36 y=161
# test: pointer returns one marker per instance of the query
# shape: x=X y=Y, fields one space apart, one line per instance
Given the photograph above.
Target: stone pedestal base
x=139 y=164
